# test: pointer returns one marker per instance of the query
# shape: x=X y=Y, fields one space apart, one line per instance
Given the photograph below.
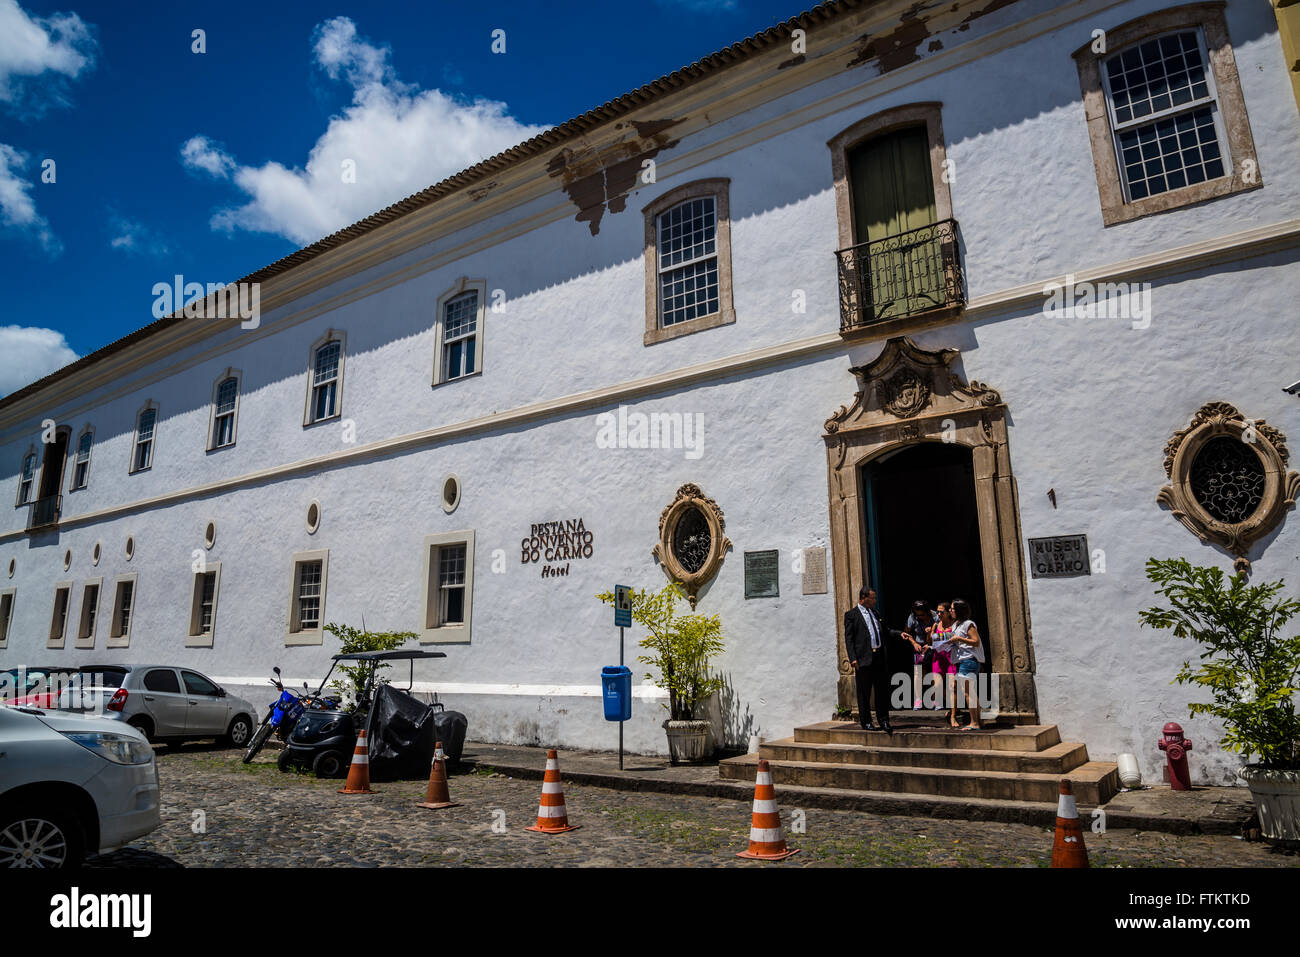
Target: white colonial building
x=908 y=285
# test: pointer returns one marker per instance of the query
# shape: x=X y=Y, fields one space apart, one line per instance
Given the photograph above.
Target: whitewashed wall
x=1091 y=404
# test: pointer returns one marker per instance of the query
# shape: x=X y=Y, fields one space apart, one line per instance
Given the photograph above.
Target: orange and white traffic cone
x=359 y=773
x=766 y=842
x=437 y=796
x=1067 y=846
x=552 y=817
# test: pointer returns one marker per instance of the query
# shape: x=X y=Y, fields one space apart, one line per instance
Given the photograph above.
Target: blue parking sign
x=622 y=606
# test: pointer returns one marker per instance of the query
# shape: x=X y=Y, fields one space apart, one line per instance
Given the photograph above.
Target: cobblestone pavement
x=257 y=816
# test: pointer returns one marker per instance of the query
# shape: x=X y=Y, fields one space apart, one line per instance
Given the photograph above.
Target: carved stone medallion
x=904 y=393
x=692 y=542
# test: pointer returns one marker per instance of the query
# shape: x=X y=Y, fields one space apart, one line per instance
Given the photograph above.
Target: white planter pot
x=688 y=741
x=1277 y=800
x=1130 y=775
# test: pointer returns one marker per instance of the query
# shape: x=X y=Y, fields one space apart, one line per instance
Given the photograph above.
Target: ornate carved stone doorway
x=906 y=396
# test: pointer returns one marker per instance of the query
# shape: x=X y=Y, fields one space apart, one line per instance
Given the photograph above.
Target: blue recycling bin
x=617 y=683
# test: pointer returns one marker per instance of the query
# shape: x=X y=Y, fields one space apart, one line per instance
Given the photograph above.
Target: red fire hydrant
x=1175 y=747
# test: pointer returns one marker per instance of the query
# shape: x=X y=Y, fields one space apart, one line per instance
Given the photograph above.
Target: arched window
x=225 y=408
x=81 y=469
x=145 y=425
x=325 y=379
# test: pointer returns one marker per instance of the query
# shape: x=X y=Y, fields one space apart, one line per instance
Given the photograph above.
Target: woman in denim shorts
x=967 y=654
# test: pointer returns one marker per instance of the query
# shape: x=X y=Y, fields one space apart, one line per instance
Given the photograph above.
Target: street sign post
x=622 y=619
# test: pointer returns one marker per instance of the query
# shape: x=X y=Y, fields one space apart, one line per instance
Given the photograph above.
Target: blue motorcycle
x=283 y=715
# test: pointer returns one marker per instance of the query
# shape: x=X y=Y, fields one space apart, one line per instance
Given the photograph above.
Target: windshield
x=98 y=677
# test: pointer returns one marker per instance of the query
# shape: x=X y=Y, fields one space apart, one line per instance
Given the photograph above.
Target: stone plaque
x=762 y=574
x=814 y=571
x=1062 y=556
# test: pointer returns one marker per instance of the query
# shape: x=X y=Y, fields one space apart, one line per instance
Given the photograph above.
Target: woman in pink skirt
x=941 y=664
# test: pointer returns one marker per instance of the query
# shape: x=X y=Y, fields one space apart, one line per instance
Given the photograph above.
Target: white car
x=71 y=785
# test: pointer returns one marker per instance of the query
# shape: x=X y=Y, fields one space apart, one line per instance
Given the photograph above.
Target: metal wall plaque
x=814 y=571
x=1062 y=556
x=762 y=574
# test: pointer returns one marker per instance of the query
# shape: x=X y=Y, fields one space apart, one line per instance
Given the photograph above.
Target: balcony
x=903 y=275
x=44 y=513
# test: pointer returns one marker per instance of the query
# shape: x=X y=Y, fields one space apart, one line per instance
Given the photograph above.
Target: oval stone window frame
x=1219 y=419
x=691 y=498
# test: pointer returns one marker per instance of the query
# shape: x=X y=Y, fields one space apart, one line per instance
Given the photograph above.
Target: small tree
x=682 y=647
x=1251 y=670
x=358 y=639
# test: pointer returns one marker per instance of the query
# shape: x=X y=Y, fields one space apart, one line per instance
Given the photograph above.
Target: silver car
x=71 y=785
x=164 y=702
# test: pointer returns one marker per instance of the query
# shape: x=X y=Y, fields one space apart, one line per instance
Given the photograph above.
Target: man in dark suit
x=865 y=640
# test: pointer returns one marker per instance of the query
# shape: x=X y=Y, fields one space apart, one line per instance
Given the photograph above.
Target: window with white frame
x=307 y=597
x=145 y=424
x=458 y=350
x=1164 y=114
x=27 y=479
x=203 y=605
x=448 y=587
x=326 y=377
x=225 y=400
x=7 y=598
x=688 y=260
x=459 y=335
x=1167 y=123
x=81 y=467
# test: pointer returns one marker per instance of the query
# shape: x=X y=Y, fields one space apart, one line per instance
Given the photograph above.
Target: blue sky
x=214 y=164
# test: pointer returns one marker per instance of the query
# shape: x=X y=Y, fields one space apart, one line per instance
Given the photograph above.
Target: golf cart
x=402 y=731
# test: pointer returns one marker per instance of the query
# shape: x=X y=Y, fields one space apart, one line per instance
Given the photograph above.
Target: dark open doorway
x=922 y=536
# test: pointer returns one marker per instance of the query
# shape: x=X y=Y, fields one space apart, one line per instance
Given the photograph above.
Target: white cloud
x=200 y=153
x=28 y=353
x=134 y=238
x=397 y=138
x=60 y=44
x=17 y=208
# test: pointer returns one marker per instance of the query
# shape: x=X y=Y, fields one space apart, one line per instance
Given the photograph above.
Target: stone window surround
x=194 y=637
x=462 y=286
x=6 y=626
x=1209 y=18
x=720 y=189
x=294 y=634
x=690 y=496
x=927 y=114
x=123 y=640
x=445 y=634
x=58 y=638
x=1281 y=488
x=135 y=437
x=238 y=376
x=85 y=629
x=330 y=335
x=73 y=452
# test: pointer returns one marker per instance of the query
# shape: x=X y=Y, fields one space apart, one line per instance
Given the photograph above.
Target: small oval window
x=1227 y=479
x=67 y=559
x=94 y=554
x=450 y=493
x=130 y=547
x=210 y=534
x=691 y=540
x=313 y=517
x=13 y=566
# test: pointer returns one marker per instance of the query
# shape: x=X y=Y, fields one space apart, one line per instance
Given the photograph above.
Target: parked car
x=71 y=785
x=164 y=702
x=36 y=686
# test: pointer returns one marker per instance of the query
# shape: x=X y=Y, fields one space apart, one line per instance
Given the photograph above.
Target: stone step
x=1024 y=737
x=1095 y=782
x=1057 y=759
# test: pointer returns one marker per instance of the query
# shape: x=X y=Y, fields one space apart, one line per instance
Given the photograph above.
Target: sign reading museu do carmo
x=557 y=542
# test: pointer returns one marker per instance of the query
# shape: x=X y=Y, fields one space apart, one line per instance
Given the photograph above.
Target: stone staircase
x=1003 y=762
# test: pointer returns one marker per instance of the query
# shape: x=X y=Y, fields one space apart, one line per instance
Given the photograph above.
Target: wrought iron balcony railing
x=44 y=512
x=901 y=275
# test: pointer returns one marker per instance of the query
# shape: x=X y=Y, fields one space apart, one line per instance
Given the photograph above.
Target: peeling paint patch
x=935 y=44
x=985 y=11
x=897 y=48
x=598 y=181
x=478 y=192
x=793 y=61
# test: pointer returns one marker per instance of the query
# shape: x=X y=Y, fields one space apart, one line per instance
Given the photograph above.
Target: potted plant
x=1252 y=672
x=682 y=648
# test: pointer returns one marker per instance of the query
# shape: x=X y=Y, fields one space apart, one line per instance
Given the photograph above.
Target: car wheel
x=328 y=764
x=40 y=837
x=240 y=730
x=144 y=726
